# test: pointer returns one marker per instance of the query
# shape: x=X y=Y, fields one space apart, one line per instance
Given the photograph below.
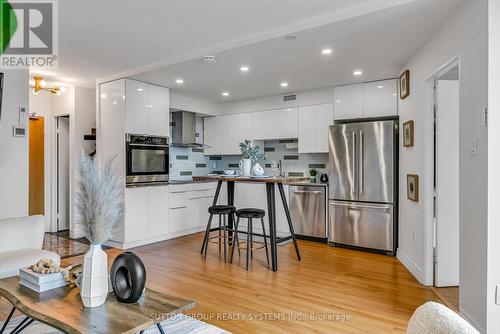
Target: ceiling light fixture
x=179 y=81
x=244 y=69
x=284 y=84
x=225 y=94
x=380 y=87
x=140 y=89
x=326 y=51
x=357 y=72
x=41 y=85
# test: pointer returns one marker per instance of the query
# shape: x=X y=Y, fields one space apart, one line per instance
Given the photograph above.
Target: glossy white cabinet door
x=348 y=102
x=211 y=135
x=159 y=111
x=137 y=111
x=285 y=121
x=263 y=125
x=233 y=130
x=307 y=129
x=136 y=214
x=381 y=98
x=323 y=120
x=158 y=211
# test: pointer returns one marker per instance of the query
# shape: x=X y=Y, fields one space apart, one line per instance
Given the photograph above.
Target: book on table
x=40 y=282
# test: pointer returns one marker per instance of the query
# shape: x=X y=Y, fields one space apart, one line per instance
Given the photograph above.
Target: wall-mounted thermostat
x=22 y=116
x=19 y=131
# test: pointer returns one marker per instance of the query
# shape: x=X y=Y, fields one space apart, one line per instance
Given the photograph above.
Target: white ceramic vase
x=245 y=167
x=94 y=289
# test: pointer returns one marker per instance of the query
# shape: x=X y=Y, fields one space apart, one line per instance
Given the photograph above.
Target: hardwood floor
x=449 y=296
x=369 y=293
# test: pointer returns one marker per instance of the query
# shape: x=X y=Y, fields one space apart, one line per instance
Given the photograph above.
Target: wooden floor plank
x=374 y=293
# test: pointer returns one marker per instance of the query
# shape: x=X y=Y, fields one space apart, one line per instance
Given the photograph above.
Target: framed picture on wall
x=404 y=84
x=408 y=128
x=412 y=187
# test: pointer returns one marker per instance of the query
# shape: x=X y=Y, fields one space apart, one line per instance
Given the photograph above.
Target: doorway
x=62 y=173
x=36 y=197
x=446 y=184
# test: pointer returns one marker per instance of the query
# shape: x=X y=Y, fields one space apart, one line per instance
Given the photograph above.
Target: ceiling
x=101 y=38
x=378 y=43
x=165 y=39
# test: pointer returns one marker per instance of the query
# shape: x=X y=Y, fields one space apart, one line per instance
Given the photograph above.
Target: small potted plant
x=249 y=152
x=313 y=172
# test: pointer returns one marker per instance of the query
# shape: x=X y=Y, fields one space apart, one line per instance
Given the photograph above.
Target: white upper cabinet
x=314 y=122
x=224 y=133
x=381 y=98
x=147 y=109
x=324 y=118
x=348 y=101
x=136 y=109
x=159 y=111
x=275 y=124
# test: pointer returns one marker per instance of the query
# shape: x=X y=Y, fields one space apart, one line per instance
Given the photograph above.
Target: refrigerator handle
x=361 y=160
x=354 y=163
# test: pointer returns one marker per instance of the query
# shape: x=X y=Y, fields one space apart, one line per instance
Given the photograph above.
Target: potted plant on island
x=249 y=152
x=100 y=206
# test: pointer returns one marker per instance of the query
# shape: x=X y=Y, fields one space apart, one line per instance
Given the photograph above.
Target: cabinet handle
x=178 y=207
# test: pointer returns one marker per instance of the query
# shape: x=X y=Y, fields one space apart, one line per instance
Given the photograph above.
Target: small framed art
x=408 y=132
x=404 y=84
x=412 y=187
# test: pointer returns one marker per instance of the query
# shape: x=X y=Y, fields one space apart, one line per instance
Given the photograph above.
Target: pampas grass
x=99 y=199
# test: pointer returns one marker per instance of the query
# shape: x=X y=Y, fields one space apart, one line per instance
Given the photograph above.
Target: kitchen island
x=270 y=183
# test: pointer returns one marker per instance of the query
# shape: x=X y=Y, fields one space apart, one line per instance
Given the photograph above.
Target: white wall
x=494 y=166
x=464 y=34
x=311 y=97
x=13 y=150
x=188 y=103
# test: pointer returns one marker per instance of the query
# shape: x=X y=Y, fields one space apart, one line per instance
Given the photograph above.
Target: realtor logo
x=29 y=34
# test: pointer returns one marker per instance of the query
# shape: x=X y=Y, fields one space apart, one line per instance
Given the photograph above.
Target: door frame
x=428 y=186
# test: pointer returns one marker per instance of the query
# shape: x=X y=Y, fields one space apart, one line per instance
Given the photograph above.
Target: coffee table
x=62 y=309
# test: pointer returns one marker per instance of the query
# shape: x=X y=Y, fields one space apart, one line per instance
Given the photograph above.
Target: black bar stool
x=222 y=211
x=250 y=214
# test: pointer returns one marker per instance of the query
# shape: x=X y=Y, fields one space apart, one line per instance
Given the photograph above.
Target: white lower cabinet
x=146 y=215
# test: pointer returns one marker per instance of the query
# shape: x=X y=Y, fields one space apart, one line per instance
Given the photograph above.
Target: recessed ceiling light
x=380 y=87
x=179 y=81
x=225 y=93
x=394 y=94
x=338 y=101
x=244 y=69
x=357 y=72
x=326 y=51
x=284 y=84
x=140 y=89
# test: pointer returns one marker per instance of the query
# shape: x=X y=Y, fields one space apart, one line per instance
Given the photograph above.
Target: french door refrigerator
x=363 y=185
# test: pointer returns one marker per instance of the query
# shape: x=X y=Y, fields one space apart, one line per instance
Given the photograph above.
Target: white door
x=447 y=180
x=286 y=123
x=348 y=101
x=159 y=112
x=380 y=98
x=324 y=118
x=307 y=129
x=136 y=213
x=158 y=211
x=137 y=111
x=63 y=173
x=263 y=123
x=211 y=135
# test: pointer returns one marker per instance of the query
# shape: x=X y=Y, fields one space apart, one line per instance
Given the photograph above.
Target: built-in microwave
x=147 y=159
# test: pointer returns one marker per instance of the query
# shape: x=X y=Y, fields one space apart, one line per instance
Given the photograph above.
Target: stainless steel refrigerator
x=363 y=187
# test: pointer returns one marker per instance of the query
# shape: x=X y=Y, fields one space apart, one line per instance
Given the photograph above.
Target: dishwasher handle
x=315 y=192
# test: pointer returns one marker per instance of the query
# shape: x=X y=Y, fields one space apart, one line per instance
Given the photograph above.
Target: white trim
x=469 y=319
x=412 y=267
x=428 y=186
x=371 y=7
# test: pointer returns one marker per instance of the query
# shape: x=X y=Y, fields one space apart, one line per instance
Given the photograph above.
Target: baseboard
x=464 y=315
x=412 y=268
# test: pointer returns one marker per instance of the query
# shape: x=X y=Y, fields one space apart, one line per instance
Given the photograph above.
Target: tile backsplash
x=294 y=163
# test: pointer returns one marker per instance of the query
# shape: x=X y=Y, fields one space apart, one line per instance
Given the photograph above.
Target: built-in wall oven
x=147 y=159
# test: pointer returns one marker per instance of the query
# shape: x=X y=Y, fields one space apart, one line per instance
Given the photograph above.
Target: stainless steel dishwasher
x=308 y=211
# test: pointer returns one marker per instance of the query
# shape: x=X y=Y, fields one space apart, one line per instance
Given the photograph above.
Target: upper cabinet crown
x=372 y=99
x=147 y=109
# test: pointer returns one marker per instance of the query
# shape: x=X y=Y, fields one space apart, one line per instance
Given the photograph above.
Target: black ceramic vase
x=128 y=277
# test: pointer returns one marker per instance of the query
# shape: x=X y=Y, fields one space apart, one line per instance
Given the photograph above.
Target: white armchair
x=21 y=242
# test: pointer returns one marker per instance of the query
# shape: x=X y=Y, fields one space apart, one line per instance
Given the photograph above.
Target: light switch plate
x=497 y=295
x=473 y=146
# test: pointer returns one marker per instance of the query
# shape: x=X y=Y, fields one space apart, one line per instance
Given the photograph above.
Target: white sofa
x=434 y=318
x=21 y=242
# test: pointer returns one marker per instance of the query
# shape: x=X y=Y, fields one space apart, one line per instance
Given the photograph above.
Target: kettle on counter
x=324 y=178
